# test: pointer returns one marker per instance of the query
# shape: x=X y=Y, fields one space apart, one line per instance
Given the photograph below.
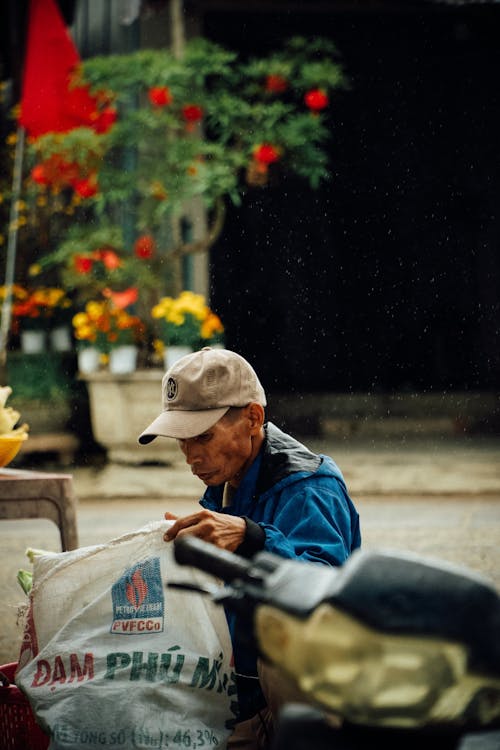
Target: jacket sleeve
x=316 y=523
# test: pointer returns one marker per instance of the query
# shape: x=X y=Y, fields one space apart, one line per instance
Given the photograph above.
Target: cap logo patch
x=171 y=389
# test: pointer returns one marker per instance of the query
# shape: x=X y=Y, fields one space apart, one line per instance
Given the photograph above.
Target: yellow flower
x=80 y=319
x=159 y=347
x=85 y=333
x=94 y=309
x=176 y=317
x=34 y=269
x=157 y=312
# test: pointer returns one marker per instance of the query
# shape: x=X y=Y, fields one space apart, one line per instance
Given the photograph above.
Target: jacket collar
x=283 y=455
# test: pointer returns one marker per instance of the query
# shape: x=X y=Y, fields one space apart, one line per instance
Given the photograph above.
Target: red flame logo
x=136 y=591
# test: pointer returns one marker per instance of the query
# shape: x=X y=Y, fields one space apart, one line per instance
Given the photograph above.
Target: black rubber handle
x=189 y=550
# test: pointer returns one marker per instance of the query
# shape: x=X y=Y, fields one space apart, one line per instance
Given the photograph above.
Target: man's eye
x=204 y=438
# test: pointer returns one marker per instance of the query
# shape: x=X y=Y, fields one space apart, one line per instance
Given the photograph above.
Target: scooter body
x=402 y=648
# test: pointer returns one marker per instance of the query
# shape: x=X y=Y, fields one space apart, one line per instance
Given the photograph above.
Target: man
x=265 y=490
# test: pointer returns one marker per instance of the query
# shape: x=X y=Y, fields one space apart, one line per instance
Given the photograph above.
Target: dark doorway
x=388 y=277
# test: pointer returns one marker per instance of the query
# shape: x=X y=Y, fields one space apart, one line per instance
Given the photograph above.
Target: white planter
x=33 y=342
x=88 y=360
x=174 y=353
x=121 y=407
x=123 y=359
x=60 y=339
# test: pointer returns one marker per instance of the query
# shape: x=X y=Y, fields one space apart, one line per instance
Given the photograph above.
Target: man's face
x=223 y=453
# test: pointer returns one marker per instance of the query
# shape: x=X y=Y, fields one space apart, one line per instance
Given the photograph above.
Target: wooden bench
x=65 y=444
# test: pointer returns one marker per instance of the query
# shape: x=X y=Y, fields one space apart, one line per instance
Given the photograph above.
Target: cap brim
x=182 y=424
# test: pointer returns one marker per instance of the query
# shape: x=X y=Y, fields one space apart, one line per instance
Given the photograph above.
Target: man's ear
x=255 y=413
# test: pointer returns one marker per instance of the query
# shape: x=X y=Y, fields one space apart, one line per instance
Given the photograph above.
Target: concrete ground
x=436 y=497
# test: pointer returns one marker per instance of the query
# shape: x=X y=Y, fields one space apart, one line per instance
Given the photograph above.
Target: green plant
x=207 y=126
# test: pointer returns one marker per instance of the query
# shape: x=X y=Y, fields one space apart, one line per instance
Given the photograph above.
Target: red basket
x=18 y=728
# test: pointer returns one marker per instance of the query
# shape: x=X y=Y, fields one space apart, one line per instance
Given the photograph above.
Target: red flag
x=48 y=103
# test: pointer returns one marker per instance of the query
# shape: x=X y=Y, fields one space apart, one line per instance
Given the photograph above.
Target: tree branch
x=211 y=236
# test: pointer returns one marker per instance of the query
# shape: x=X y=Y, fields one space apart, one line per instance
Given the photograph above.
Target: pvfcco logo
x=138 y=602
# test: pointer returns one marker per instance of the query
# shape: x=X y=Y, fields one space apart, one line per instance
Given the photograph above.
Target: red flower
x=316 y=99
x=145 y=246
x=39 y=175
x=266 y=153
x=87 y=187
x=192 y=112
x=65 y=172
x=109 y=258
x=55 y=171
x=80 y=107
x=160 y=96
x=105 y=120
x=122 y=299
x=83 y=263
x=276 y=84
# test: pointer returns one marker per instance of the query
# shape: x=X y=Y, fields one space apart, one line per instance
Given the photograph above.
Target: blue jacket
x=300 y=501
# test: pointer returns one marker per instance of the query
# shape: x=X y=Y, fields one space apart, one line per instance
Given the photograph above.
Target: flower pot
x=120 y=407
x=33 y=342
x=88 y=359
x=123 y=359
x=174 y=353
x=60 y=339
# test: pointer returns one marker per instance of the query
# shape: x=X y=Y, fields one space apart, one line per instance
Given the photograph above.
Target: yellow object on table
x=10 y=446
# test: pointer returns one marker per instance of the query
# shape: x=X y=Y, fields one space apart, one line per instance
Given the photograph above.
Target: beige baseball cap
x=199 y=389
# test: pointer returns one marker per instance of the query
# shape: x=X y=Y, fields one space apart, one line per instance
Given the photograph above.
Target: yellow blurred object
x=11 y=437
x=10 y=446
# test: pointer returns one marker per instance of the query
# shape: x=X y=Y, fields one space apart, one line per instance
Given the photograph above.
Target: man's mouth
x=204 y=475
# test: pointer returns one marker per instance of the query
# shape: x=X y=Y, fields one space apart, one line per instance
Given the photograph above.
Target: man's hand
x=226 y=532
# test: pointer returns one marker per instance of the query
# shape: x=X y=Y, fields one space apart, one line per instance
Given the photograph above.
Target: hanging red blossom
x=87 y=187
x=55 y=171
x=80 y=107
x=39 y=175
x=109 y=258
x=316 y=99
x=122 y=299
x=65 y=172
x=266 y=153
x=160 y=96
x=192 y=113
x=145 y=246
x=105 y=120
x=276 y=84
x=83 y=264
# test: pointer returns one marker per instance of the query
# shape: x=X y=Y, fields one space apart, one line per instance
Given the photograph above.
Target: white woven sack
x=113 y=658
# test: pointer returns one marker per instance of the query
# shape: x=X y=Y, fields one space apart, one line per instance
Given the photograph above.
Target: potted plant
x=34 y=312
x=107 y=332
x=184 y=324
